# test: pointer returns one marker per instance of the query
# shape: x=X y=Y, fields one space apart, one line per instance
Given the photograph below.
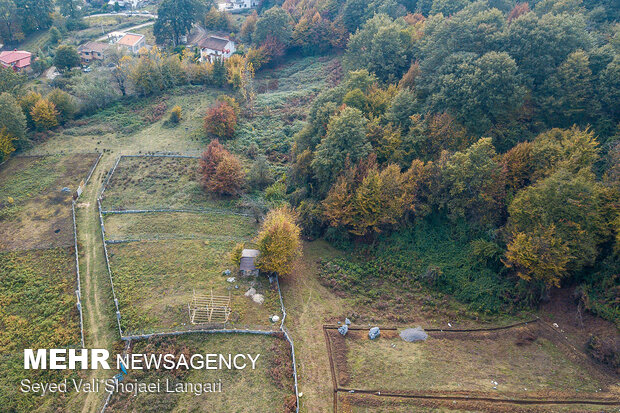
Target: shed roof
x=249 y=253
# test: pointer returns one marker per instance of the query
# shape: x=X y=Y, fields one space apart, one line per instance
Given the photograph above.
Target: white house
x=214 y=47
x=237 y=5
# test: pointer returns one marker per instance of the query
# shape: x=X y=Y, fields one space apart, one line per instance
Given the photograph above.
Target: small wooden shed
x=247 y=266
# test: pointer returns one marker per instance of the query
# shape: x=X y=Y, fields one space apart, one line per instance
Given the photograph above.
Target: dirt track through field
x=98 y=305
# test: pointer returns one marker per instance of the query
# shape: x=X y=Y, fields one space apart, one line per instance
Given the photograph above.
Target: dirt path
x=99 y=322
x=308 y=304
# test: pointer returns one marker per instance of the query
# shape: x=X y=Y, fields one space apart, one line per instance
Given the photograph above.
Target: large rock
x=413 y=334
x=374 y=333
x=258 y=298
x=251 y=292
x=343 y=329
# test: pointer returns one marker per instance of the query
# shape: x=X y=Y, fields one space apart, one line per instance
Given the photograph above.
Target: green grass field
x=38 y=310
x=130 y=126
x=471 y=362
x=154 y=281
x=223 y=226
x=266 y=389
x=34 y=212
x=159 y=183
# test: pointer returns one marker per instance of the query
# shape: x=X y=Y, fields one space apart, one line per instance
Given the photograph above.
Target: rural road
x=154 y=16
x=128 y=29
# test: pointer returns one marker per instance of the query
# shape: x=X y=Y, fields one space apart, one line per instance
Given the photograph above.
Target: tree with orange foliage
x=221 y=171
x=221 y=121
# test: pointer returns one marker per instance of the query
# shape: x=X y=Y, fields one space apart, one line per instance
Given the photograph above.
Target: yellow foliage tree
x=235 y=65
x=235 y=254
x=279 y=242
x=540 y=256
x=44 y=114
x=6 y=144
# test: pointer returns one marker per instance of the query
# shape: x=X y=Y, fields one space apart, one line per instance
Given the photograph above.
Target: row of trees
x=32 y=112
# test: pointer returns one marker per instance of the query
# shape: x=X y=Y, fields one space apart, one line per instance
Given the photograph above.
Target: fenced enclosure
x=209 y=308
x=182 y=240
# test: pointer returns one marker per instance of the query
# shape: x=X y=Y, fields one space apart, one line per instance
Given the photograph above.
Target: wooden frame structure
x=209 y=308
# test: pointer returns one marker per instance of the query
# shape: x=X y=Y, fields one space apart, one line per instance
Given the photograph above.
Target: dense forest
x=492 y=125
x=485 y=129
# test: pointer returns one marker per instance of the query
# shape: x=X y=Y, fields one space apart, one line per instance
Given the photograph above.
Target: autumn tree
x=279 y=242
x=44 y=115
x=538 y=255
x=220 y=171
x=377 y=203
x=574 y=205
x=228 y=179
x=176 y=114
x=221 y=121
x=6 y=144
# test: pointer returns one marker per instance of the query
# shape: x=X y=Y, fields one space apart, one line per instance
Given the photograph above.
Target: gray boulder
x=413 y=334
x=374 y=333
x=343 y=329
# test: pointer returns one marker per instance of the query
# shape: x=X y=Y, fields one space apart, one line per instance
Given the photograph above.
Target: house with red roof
x=17 y=59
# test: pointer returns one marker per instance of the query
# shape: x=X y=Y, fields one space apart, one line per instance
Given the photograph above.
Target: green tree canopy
x=175 y=19
x=66 y=57
x=383 y=46
x=274 y=24
x=345 y=139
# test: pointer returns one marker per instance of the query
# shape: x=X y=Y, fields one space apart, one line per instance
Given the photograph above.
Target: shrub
x=605 y=350
x=221 y=121
x=220 y=171
x=235 y=254
x=64 y=103
x=176 y=114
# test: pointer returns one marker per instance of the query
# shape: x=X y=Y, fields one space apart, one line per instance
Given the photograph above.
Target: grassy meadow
x=268 y=388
